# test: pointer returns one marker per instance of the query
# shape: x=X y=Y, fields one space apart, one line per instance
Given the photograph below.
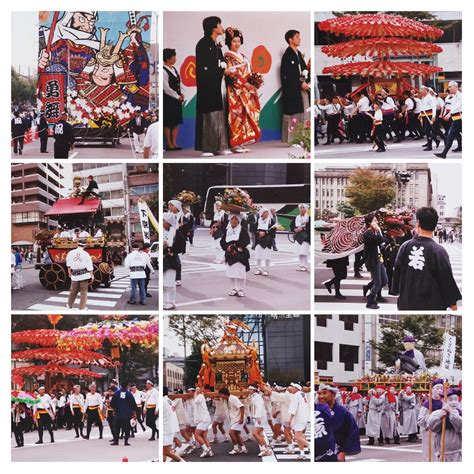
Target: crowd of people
x=379 y=118
x=236 y=418
x=418 y=270
x=388 y=416
x=123 y=406
x=231 y=233
x=227 y=122
x=143 y=130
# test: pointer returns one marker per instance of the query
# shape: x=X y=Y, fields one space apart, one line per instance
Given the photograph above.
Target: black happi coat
x=188 y=224
x=221 y=230
x=372 y=241
x=423 y=277
x=208 y=76
x=171 y=262
x=239 y=252
x=303 y=236
x=290 y=81
x=265 y=241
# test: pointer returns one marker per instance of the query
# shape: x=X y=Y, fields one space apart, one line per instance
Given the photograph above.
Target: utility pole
x=126 y=197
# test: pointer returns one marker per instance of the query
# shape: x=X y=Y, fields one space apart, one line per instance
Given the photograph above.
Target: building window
x=349 y=356
x=323 y=354
x=349 y=320
x=148 y=189
x=321 y=320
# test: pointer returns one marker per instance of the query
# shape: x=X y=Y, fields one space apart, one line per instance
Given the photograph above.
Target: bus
x=284 y=198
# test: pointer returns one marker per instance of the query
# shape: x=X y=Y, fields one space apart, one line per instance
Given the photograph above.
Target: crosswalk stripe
x=90 y=301
x=95 y=295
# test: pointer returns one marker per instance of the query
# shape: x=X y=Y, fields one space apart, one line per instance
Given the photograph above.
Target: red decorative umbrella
x=64 y=357
x=381 y=69
x=53 y=369
x=379 y=24
x=39 y=337
x=381 y=47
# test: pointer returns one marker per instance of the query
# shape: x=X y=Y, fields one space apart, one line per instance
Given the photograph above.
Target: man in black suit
x=373 y=239
x=19 y=127
x=63 y=137
x=43 y=133
x=91 y=190
x=211 y=123
x=138 y=126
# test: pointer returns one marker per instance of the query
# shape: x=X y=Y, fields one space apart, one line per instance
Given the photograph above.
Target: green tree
x=193 y=364
x=458 y=355
x=423 y=328
x=345 y=209
x=23 y=89
x=368 y=190
x=193 y=328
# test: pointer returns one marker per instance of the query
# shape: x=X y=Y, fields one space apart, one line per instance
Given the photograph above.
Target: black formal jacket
x=372 y=241
x=64 y=135
x=290 y=81
x=139 y=129
x=43 y=127
x=208 y=76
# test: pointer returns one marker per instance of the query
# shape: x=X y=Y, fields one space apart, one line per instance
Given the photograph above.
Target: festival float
x=346 y=237
x=381 y=39
x=230 y=363
x=95 y=66
x=70 y=213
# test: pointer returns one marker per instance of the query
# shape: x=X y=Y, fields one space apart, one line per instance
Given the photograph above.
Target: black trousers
x=45 y=421
x=77 y=421
x=18 y=144
x=379 y=135
x=85 y=194
x=178 y=269
x=428 y=130
x=43 y=143
x=61 y=150
x=150 y=421
x=94 y=417
x=454 y=132
x=140 y=418
x=111 y=422
x=121 y=425
x=18 y=432
x=147 y=278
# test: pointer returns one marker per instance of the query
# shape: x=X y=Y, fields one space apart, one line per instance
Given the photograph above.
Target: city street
x=81 y=151
x=410 y=150
x=69 y=449
x=405 y=452
x=34 y=297
x=352 y=287
x=205 y=286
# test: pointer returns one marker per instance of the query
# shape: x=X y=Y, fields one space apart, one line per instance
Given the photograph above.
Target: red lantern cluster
x=384 y=36
x=381 y=47
x=381 y=69
x=379 y=24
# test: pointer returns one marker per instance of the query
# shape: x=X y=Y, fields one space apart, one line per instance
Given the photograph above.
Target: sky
x=446 y=179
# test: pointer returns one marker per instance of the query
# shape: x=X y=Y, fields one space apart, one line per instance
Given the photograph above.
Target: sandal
x=240 y=294
x=233 y=293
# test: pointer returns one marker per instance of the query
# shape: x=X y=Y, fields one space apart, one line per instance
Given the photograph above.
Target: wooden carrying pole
x=443 y=424
x=430 y=435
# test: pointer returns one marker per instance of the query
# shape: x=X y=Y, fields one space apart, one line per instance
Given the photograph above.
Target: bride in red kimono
x=242 y=95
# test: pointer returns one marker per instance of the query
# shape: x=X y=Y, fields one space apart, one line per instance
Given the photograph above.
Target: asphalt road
x=34 y=297
x=404 y=452
x=205 y=286
x=81 y=151
x=351 y=287
x=409 y=149
x=69 y=449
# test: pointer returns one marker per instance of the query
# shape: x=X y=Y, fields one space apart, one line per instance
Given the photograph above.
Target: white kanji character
x=319 y=426
x=416 y=257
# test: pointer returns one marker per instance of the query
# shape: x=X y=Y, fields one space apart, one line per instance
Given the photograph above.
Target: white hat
x=41 y=388
x=150 y=382
x=453 y=83
x=296 y=385
x=253 y=387
x=303 y=205
x=191 y=389
x=329 y=388
x=176 y=204
x=262 y=210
